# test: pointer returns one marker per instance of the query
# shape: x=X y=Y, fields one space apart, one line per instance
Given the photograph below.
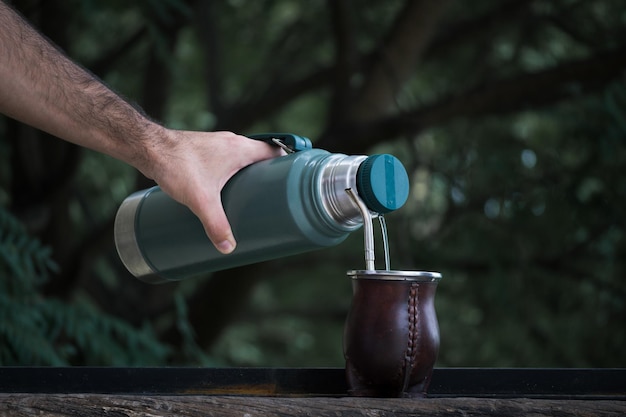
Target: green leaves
x=22 y=255
x=36 y=330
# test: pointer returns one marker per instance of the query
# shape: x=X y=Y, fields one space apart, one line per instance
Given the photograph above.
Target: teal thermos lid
x=383 y=183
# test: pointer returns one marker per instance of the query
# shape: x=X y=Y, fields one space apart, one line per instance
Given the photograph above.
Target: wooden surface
x=246 y=406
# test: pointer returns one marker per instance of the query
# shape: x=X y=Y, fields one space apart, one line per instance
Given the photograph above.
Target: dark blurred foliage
x=509 y=115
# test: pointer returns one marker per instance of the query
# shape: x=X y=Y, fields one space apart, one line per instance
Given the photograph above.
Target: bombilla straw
x=368 y=230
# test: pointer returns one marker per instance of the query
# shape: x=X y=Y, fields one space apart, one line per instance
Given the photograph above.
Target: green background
x=510 y=117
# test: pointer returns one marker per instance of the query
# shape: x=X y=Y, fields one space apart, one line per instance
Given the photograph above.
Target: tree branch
x=398 y=56
x=348 y=63
x=245 y=114
x=400 y=44
x=567 y=81
x=465 y=31
x=103 y=64
x=209 y=37
x=345 y=58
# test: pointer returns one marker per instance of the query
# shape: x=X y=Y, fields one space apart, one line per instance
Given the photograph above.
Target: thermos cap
x=383 y=183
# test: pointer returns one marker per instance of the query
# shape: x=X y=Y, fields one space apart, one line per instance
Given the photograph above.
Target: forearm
x=40 y=86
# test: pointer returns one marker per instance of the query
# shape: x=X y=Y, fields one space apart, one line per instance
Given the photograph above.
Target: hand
x=193 y=167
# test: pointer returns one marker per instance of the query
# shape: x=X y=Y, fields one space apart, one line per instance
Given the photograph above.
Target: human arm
x=40 y=86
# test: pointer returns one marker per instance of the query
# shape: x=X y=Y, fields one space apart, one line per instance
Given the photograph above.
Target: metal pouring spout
x=368 y=230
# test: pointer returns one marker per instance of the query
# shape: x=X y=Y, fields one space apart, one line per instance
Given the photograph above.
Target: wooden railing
x=306 y=392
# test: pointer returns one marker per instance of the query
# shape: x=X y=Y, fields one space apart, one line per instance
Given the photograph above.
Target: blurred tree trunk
x=397 y=58
x=44 y=168
x=133 y=299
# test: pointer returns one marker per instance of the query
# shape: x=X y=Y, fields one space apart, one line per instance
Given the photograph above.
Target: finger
x=255 y=150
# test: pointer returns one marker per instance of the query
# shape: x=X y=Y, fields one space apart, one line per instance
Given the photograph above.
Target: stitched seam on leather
x=413 y=335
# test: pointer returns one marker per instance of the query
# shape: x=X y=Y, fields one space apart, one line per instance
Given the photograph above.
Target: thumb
x=216 y=225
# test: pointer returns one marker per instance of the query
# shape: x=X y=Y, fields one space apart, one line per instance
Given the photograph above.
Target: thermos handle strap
x=288 y=141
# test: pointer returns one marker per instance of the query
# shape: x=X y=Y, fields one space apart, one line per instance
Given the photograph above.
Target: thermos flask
x=277 y=207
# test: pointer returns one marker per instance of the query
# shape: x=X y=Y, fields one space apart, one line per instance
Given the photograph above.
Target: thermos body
x=277 y=207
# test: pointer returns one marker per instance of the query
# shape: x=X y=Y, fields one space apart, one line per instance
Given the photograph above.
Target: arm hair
x=40 y=86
